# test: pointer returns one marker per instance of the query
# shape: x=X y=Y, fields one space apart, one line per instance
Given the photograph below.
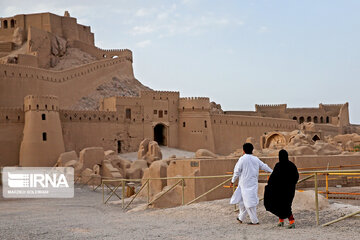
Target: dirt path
x=85 y=217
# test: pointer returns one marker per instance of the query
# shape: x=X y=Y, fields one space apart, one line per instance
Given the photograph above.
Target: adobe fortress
x=59 y=92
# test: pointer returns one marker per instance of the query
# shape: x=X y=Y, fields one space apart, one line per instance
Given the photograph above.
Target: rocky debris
x=109 y=171
x=215 y=108
x=119 y=85
x=66 y=157
x=204 y=153
x=72 y=57
x=91 y=156
x=19 y=36
x=149 y=151
x=91 y=176
x=136 y=169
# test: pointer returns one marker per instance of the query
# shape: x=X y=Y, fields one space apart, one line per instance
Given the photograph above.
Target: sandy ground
x=166 y=152
x=86 y=217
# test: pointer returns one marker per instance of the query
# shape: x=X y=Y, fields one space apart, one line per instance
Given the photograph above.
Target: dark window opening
x=44 y=136
x=184 y=124
x=315 y=138
x=128 y=113
x=45 y=106
x=321 y=120
x=165 y=112
x=308 y=119
x=155 y=111
x=43 y=117
x=301 y=119
x=119 y=146
x=7 y=117
x=5 y=24
x=327 y=120
x=37 y=106
x=315 y=119
x=12 y=23
x=160 y=113
x=205 y=123
x=295 y=118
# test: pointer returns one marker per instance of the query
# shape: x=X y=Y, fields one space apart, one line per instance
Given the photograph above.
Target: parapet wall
x=194 y=103
x=69 y=85
x=42 y=103
x=90 y=116
x=11 y=115
x=101 y=53
x=231 y=131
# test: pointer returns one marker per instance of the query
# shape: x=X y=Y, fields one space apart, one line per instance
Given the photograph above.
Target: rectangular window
x=184 y=124
x=43 y=116
x=155 y=111
x=165 y=112
x=44 y=136
x=160 y=113
x=128 y=113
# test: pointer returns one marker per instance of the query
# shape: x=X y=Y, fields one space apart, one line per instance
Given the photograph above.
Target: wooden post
x=342 y=218
x=123 y=193
x=327 y=185
x=148 y=191
x=183 y=194
x=316 y=200
x=217 y=186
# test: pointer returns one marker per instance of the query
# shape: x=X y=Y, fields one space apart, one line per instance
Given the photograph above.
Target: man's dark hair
x=248 y=148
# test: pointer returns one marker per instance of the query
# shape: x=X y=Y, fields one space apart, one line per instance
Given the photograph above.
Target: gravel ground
x=85 y=217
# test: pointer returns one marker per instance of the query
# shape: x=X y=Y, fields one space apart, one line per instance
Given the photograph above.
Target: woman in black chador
x=280 y=191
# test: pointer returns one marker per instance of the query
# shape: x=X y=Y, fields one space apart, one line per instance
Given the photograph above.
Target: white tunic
x=247 y=170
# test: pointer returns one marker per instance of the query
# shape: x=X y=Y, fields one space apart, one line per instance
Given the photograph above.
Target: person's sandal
x=250 y=223
x=239 y=220
x=280 y=224
x=291 y=226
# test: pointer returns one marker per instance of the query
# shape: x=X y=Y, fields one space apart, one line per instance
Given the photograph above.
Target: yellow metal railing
x=181 y=180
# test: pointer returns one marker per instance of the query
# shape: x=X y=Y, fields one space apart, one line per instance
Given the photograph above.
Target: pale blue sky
x=238 y=53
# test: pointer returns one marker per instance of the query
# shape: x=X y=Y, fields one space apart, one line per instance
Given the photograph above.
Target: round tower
x=42 y=140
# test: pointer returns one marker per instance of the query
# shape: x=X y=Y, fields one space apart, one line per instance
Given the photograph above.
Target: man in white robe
x=246 y=195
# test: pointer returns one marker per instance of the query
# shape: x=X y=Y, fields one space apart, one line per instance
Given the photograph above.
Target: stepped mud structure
x=61 y=93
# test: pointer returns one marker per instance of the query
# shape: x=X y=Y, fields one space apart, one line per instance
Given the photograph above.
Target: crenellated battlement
x=253 y=121
x=41 y=103
x=100 y=53
x=11 y=115
x=90 y=116
x=17 y=71
x=194 y=103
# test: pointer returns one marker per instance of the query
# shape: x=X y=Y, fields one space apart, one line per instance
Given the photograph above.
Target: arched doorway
x=275 y=141
x=160 y=134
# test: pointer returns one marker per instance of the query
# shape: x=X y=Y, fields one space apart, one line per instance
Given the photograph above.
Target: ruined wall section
x=231 y=132
x=108 y=129
x=69 y=85
x=66 y=27
x=101 y=53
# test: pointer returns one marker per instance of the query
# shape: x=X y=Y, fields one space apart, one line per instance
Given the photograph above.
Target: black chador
x=280 y=191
